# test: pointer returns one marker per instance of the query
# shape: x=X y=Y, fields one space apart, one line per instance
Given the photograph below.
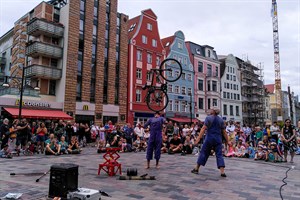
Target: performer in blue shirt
x=155 y=140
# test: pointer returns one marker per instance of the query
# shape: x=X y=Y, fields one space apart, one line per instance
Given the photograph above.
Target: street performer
x=155 y=140
x=214 y=125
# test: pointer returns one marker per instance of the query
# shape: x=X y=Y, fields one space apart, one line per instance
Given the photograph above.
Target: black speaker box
x=63 y=179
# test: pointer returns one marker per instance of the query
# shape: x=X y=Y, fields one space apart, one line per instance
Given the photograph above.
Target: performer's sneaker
x=194 y=171
x=223 y=175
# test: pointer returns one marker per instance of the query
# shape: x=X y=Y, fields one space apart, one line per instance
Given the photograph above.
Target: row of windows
x=231 y=111
x=145 y=41
x=211 y=85
x=209 y=70
x=231 y=86
x=230 y=77
x=228 y=95
x=230 y=69
x=176 y=89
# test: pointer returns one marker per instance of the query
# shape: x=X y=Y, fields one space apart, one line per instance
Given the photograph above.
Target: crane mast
x=278 y=93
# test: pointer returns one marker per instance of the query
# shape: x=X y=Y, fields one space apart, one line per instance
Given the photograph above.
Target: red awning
x=183 y=120
x=38 y=114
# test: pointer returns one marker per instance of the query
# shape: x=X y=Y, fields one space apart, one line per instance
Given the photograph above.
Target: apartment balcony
x=41 y=71
x=36 y=49
x=246 y=99
x=2 y=61
x=38 y=27
x=16 y=91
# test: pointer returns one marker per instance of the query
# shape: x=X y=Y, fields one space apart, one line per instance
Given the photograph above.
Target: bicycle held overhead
x=170 y=70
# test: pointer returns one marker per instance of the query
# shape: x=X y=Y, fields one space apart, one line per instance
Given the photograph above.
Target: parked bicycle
x=157 y=98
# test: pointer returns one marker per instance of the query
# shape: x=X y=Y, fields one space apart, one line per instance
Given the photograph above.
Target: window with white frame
x=144 y=39
x=139 y=73
x=214 y=86
x=189 y=91
x=183 y=106
x=175 y=57
x=200 y=66
x=183 y=76
x=149 y=58
x=180 y=45
x=170 y=73
x=185 y=60
x=180 y=59
x=157 y=60
x=154 y=43
x=170 y=105
x=183 y=90
x=170 y=88
x=148 y=76
x=237 y=110
x=217 y=71
x=200 y=103
x=224 y=84
x=176 y=106
x=224 y=95
x=176 y=89
x=189 y=77
x=139 y=55
x=138 y=96
x=200 y=84
x=215 y=102
x=176 y=73
x=149 y=26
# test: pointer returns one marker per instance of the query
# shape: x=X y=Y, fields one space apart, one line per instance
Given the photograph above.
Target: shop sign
x=33 y=104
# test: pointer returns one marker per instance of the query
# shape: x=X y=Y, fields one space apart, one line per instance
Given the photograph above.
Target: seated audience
x=175 y=145
x=53 y=148
x=139 y=144
x=187 y=147
x=4 y=152
x=101 y=148
x=63 y=145
x=240 y=150
x=74 y=146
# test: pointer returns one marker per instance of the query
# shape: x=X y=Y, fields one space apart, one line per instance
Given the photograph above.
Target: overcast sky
x=240 y=27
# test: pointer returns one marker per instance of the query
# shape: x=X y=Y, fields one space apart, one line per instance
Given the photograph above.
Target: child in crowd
x=262 y=152
x=139 y=144
x=4 y=153
x=239 y=150
x=249 y=151
x=101 y=146
x=258 y=134
x=63 y=145
x=187 y=145
x=230 y=152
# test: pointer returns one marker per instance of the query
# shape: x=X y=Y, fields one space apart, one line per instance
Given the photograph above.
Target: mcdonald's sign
x=85 y=107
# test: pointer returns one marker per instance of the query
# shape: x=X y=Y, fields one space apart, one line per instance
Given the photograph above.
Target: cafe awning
x=38 y=114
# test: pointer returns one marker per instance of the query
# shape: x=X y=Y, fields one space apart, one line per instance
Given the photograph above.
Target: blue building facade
x=181 y=93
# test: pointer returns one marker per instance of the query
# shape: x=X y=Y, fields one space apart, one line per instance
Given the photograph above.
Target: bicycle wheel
x=170 y=69
x=157 y=100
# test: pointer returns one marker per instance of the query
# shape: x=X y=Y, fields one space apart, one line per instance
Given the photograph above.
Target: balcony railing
x=36 y=49
x=2 y=61
x=16 y=91
x=37 y=27
x=41 y=71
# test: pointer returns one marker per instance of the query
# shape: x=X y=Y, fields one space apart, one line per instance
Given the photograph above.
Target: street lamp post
x=21 y=94
x=191 y=114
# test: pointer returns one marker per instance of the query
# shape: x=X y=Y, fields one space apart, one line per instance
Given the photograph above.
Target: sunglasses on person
x=288 y=122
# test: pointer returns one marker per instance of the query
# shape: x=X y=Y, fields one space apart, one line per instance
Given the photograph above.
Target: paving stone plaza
x=246 y=178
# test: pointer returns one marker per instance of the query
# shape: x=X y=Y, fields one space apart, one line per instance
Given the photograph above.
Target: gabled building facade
x=207 y=78
x=181 y=93
x=145 y=51
x=231 y=103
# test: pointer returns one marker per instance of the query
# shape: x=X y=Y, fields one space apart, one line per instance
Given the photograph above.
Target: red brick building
x=145 y=51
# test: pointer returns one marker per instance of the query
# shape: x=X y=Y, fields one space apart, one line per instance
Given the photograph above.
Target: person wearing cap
x=215 y=127
x=155 y=139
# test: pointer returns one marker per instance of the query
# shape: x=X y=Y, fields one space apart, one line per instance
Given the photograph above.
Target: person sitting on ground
x=53 y=148
x=101 y=148
x=230 y=152
x=249 y=151
x=165 y=143
x=125 y=147
x=74 y=146
x=188 y=144
x=240 y=150
x=266 y=141
x=48 y=141
x=262 y=153
x=146 y=135
x=274 y=151
x=63 y=145
x=139 y=144
x=115 y=142
x=258 y=135
x=4 y=152
x=175 y=145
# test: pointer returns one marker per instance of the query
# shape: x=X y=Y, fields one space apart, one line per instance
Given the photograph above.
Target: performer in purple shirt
x=155 y=140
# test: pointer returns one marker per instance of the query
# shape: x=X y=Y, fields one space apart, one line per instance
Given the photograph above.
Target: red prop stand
x=111 y=166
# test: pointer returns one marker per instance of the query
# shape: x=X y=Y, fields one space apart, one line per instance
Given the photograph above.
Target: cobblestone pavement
x=246 y=178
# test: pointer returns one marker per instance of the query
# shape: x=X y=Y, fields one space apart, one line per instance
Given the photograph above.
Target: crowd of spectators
x=269 y=143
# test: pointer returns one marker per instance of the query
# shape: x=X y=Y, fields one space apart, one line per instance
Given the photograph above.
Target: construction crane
x=278 y=93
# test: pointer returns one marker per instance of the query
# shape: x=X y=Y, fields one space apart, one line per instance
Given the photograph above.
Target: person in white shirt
x=139 y=130
x=185 y=130
x=275 y=131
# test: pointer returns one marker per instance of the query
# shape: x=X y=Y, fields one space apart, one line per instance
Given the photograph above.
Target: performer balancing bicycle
x=155 y=139
x=215 y=129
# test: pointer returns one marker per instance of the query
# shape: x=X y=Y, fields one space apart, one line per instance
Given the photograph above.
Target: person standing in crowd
x=288 y=137
x=214 y=125
x=128 y=133
x=139 y=131
x=155 y=140
x=59 y=129
x=23 y=132
x=275 y=131
x=41 y=137
x=169 y=129
x=69 y=131
x=4 y=133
